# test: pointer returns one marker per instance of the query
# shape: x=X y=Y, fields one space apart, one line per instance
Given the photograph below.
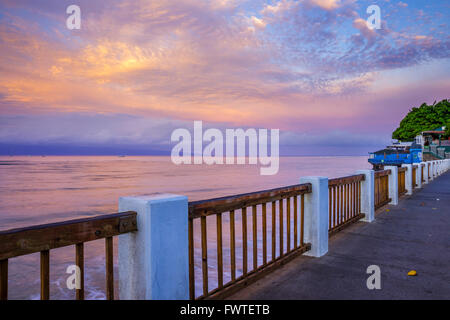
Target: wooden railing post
x=408 y=178
x=393 y=184
x=154 y=261
x=316 y=215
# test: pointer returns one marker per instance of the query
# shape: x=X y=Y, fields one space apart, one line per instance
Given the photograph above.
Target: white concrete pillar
x=393 y=184
x=316 y=216
x=419 y=176
x=435 y=169
x=425 y=172
x=408 y=179
x=431 y=176
x=368 y=195
x=154 y=261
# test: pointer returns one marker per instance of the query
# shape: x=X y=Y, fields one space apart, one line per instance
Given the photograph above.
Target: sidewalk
x=415 y=235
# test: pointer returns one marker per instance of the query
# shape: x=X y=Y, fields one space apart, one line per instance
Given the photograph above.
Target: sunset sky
x=137 y=70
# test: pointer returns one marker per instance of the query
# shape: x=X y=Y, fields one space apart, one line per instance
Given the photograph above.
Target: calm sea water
x=37 y=190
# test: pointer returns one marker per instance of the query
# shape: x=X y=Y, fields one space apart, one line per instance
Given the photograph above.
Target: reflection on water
x=36 y=190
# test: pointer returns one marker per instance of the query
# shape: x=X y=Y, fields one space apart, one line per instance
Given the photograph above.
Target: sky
x=137 y=70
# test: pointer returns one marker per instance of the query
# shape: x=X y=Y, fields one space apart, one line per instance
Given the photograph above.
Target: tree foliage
x=426 y=117
x=447 y=129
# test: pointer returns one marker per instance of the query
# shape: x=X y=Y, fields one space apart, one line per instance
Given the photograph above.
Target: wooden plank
x=302 y=219
x=264 y=230
x=280 y=212
x=347 y=202
x=79 y=261
x=341 y=212
x=345 y=224
x=288 y=224
x=191 y=259
x=329 y=207
x=219 y=250
x=386 y=187
x=274 y=230
x=243 y=281
x=346 y=180
x=359 y=197
x=232 y=246
x=338 y=205
x=45 y=275
x=255 y=238
x=21 y=241
x=244 y=241
x=382 y=173
x=4 y=279
x=356 y=199
x=204 y=255
x=352 y=199
x=109 y=254
x=334 y=206
x=213 y=206
x=295 y=222
x=383 y=203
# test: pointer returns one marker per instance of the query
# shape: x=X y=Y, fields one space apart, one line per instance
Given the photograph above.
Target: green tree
x=426 y=117
x=447 y=130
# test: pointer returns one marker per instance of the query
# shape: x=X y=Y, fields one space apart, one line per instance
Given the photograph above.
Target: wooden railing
x=422 y=166
x=43 y=238
x=344 y=202
x=414 y=175
x=282 y=202
x=382 y=188
x=401 y=181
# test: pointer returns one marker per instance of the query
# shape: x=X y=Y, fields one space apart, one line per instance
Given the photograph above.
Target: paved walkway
x=415 y=235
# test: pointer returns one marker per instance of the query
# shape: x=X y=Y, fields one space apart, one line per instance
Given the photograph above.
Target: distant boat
x=122 y=156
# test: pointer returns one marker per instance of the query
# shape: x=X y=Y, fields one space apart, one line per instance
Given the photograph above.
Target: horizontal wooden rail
x=382 y=173
x=218 y=205
x=21 y=241
x=43 y=238
x=346 y=180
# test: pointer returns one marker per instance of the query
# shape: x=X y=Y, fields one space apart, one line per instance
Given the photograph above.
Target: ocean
x=36 y=190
